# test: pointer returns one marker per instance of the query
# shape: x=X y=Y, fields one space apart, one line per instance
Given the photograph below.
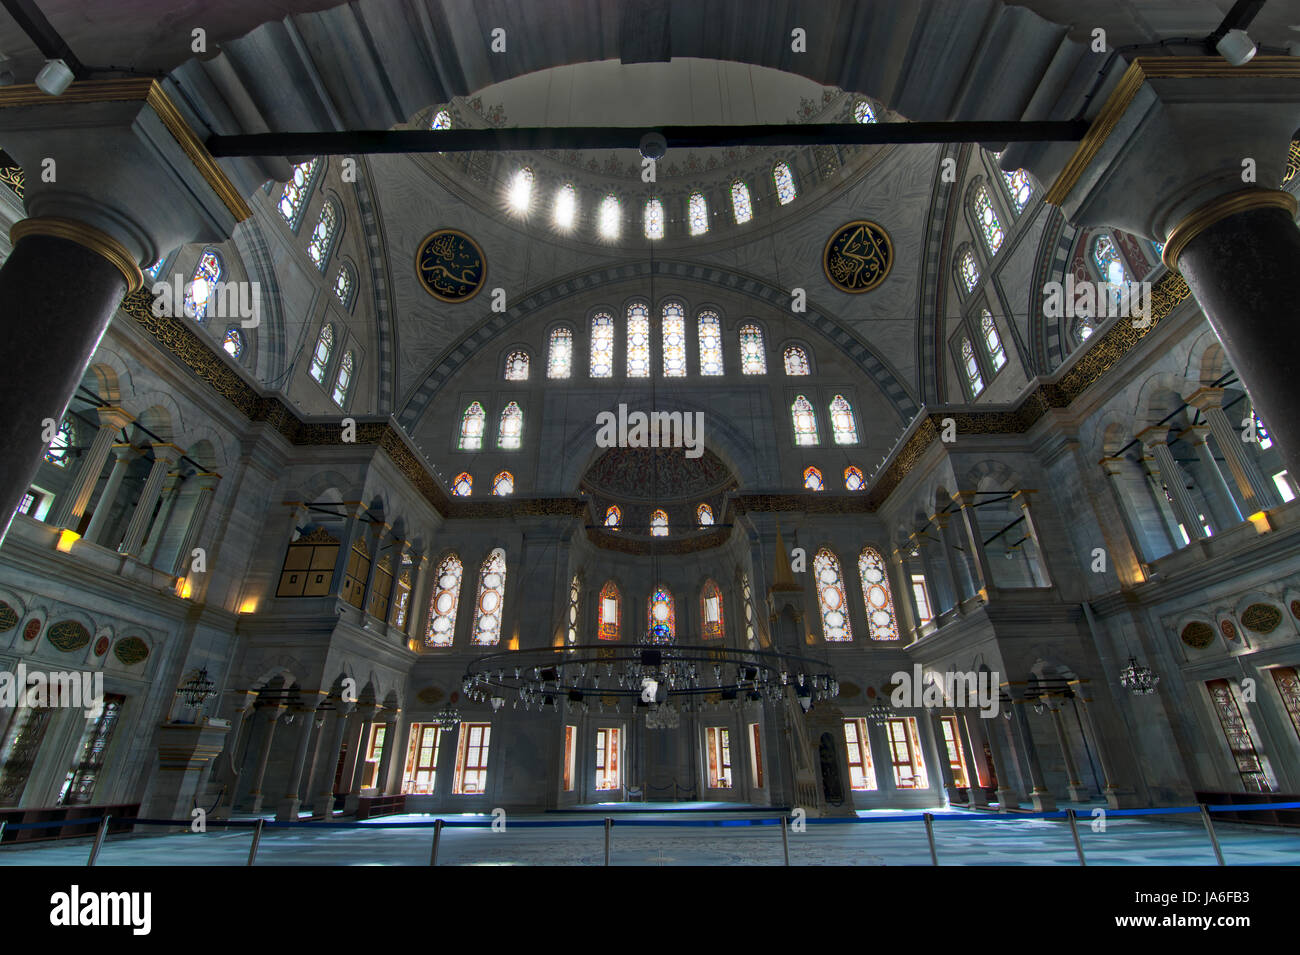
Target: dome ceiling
x=656 y=474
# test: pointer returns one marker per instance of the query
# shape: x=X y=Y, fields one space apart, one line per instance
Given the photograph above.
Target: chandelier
x=663 y=716
x=447 y=718
x=196 y=690
x=879 y=712
x=1141 y=680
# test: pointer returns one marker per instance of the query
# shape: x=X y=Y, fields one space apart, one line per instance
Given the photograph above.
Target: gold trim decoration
x=1216 y=210
x=1292 y=162
x=450 y=266
x=857 y=257
x=1261 y=617
x=84 y=235
x=14 y=178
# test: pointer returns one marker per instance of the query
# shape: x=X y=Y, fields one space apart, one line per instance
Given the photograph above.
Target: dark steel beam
x=39 y=30
x=604 y=137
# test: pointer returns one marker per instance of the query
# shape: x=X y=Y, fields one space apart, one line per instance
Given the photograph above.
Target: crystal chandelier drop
x=1141 y=680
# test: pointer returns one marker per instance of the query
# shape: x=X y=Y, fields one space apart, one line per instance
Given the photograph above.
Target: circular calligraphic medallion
x=450 y=266
x=858 y=256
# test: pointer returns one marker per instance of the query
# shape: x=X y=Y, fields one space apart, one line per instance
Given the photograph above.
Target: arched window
x=61 y=444
x=491 y=597
x=566 y=206
x=812 y=479
x=742 y=209
x=472 y=425
x=662 y=616
x=805 y=421
x=294 y=197
x=198 y=294
x=992 y=341
x=441 y=119
x=521 y=190
x=747 y=595
x=875 y=593
x=321 y=242
x=638 y=340
x=830 y=597
x=1019 y=188
x=443 y=603
x=989 y=223
x=1158 y=246
x=863 y=113
x=704 y=515
x=653 y=221
x=853 y=479
x=602 y=345
x=674 y=332
x=710 y=343
x=974 y=381
x=343 y=380
x=233 y=343
x=796 y=361
x=575 y=592
x=753 y=353
x=151 y=273
x=320 y=358
x=659 y=524
x=344 y=284
x=1109 y=264
x=1261 y=435
x=510 y=435
x=968 y=270
x=463 y=486
x=609 y=626
x=559 y=357
x=711 y=611
x=613 y=515
x=697 y=213
x=503 y=484
x=784 y=180
x=517 y=366
x=611 y=217
x=843 y=426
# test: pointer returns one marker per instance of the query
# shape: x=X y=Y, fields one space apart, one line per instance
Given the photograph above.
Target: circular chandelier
x=1141 y=680
x=447 y=718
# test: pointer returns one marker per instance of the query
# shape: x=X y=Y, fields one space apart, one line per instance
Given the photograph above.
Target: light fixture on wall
x=1141 y=680
x=447 y=718
x=196 y=690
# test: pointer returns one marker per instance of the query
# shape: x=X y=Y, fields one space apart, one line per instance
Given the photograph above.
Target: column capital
x=111 y=416
x=1154 y=436
x=1206 y=398
x=1113 y=465
x=966 y=498
x=208 y=480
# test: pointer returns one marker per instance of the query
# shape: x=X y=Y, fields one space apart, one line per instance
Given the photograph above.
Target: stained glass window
x=511 y=433
x=992 y=341
x=151 y=273
x=968 y=269
x=441 y=119
x=674 y=332
x=521 y=190
x=812 y=479
x=796 y=361
x=322 y=237
x=491 y=596
x=343 y=380
x=575 y=592
x=990 y=224
x=662 y=616
x=742 y=209
x=559 y=357
x=296 y=190
x=611 y=217
x=704 y=515
x=463 y=486
x=233 y=343
x=320 y=358
x=863 y=113
x=638 y=340
x=974 y=381
x=1262 y=435
x=1019 y=188
x=784 y=180
x=697 y=213
x=611 y=612
x=566 y=206
x=472 y=425
x=805 y=421
x=843 y=426
x=654 y=219
x=517 y=366
x=602 y=345
x=503 y=484
x=659 y=524
x=61 y=444
x=613 y=515
x=1238 y=736
x=710 y=343
x=343 y=285
x=1159 y=247
x=748 y=596
x=1109 y=264
x=711 y=611
x=443 y=603
x=853 y=479
x=830 y=596
x=753 y=354
x=875 y=592
x=198 y=294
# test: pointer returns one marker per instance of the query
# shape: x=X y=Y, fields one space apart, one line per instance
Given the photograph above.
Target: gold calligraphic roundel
x=450 y=266
x=858 y=256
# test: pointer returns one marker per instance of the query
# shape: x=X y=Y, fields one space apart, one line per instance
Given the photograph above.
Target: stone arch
x=1160 y=396
x=159 y=413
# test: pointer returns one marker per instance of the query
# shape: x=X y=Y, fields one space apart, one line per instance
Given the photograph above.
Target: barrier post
x=1074 y=831
x=929 y=834
x=99 y=841
x=3 y=823
x=1209 y=829
x=437 y=837
x=785 y=839
x=609 y=824
x=257 y=838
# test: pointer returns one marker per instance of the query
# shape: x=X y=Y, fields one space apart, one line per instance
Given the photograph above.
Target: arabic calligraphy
x=858 y=256
x=450 y=266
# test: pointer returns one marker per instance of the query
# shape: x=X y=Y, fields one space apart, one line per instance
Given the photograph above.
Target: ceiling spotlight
x=54 y=77
x=1236 y=47
x=654 y=146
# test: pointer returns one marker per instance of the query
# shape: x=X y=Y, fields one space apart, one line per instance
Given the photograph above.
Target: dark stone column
x=57 y=297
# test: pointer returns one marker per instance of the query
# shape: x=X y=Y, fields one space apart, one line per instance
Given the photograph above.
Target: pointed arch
x=472 y=424
x=609 y=624
x=874 y=574
x=831 y=597
x=443 y=604
x=711 y=611
x=491 y=600
x=661 y=616
x=510 y=435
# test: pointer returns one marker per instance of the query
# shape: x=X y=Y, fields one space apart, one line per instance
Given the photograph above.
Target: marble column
x=1155 y=440
x=945 y=763
x=171 y=491
x=975 y=741
x=1256 y=493
x=1156 y=482
x=1078 y=791
x=382 y=782
x=1039 y=795
x=323 y=804
x=307 y=786
x=287 y=811
x=228 y=767
x=98 y=526
x=1118 y=796
x=365 y=715
x=1115 y=480
x=207 y=482
x=940 y=554
x=419 y=603
x=255 y=796
x=352 y=528
x=1021 y=497
x=966 y=500
x=964 y=581
x=378 y=530
x=1002 y=744
x=73 y=502
x=165 y=455
x=1217 y=486
x=400 y=550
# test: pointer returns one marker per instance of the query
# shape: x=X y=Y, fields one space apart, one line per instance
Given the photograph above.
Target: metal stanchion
x=99 y=840
x=437 y=837
x=257 y=838
x=929 y=834
x=609 y=824
x=785 y=839
x=3 y=823
x=1074 y=831
x=1209 y=829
